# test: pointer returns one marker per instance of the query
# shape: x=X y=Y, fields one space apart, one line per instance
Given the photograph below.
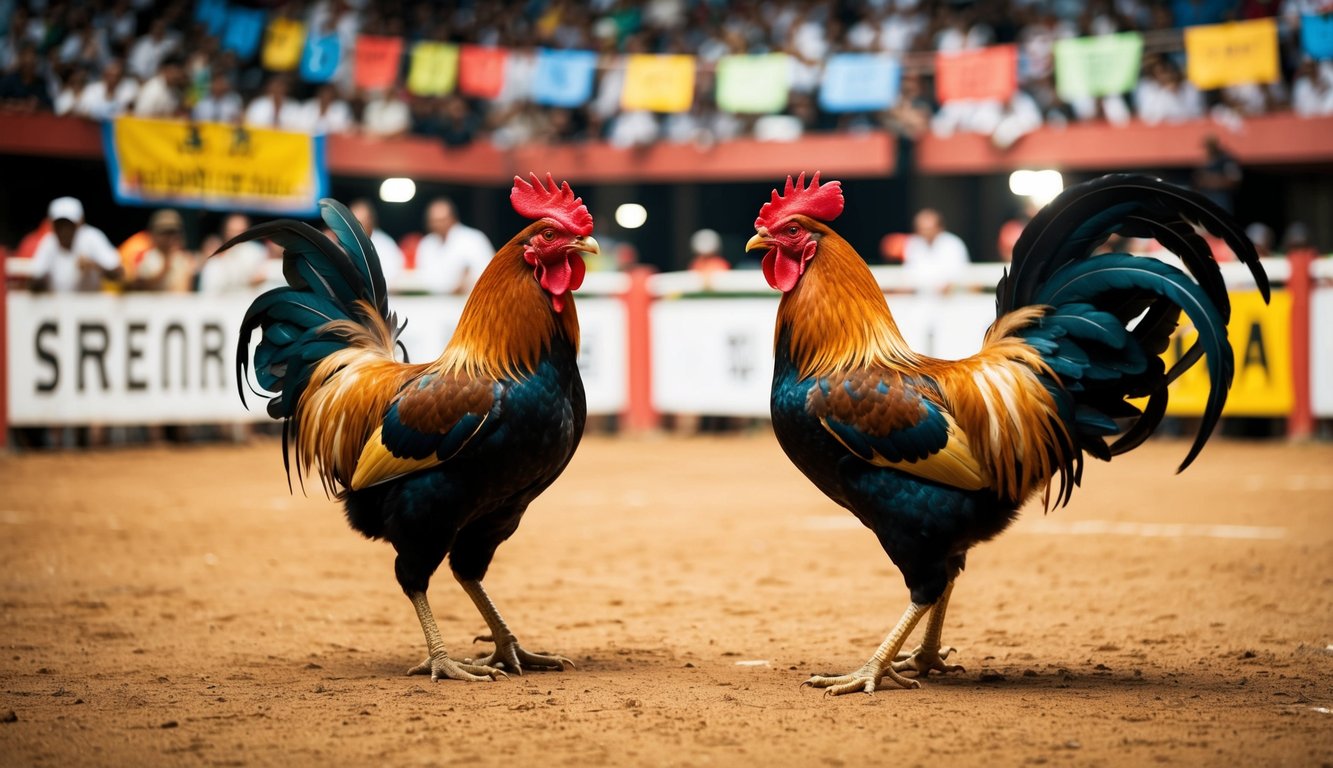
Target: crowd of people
x=70 y=254
x=102 y=58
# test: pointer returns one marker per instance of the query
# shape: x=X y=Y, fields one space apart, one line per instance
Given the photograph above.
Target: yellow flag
x=283 y=44
x=434 y=69
x=1219 y=55
x=658 y=83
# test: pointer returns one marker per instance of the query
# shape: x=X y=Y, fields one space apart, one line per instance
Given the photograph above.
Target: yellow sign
x=1218 y=55
x=1261 y=339
x=658 y=83
x=215 y=166
x=434 y=69
x=283 y=45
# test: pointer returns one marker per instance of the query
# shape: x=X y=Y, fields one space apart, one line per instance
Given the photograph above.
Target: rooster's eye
x=793 y=229
x=549 y=235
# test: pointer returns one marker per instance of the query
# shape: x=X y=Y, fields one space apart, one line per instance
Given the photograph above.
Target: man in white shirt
x=160 y=95
x=73 y=256
x=110 y=96
x=391 y=256
x=275 y=108
x=452 y=255
x=933 y=259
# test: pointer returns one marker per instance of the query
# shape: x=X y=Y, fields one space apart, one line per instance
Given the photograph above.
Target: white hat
x=66 y=208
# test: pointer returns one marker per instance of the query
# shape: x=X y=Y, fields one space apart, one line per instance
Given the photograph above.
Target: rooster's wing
x=432 y=419
x=885 y=418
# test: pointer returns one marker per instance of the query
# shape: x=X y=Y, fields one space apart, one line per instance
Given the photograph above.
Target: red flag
x=481 y=71
x=377 y=61
x=989 y=74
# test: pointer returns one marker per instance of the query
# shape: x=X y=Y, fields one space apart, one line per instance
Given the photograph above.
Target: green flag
x=1097 y=66
x=753 y=84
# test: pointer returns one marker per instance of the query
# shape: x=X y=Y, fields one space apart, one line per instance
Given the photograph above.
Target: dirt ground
x=177 y=606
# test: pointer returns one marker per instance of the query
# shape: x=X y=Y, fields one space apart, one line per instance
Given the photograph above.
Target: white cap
x=66 y=208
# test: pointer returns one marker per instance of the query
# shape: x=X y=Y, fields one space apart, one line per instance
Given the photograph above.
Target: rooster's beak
x=760 y=240
x=588 y=245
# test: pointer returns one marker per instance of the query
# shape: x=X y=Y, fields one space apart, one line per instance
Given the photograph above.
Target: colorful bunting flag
x=320 y=59
x=377 y=60
x=563 y=78
x=245 y=26
x=1218 y=55
x=1097 y=66
x=984 y=74
x=859 y=82
x=1317 y=36
x=283 y=44
x=212 y=14
x=433 y=70
x=658 y=83
x=481 y=71
x=753 y=84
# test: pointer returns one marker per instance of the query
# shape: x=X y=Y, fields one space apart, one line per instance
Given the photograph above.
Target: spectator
x=168 y=265
x=1312 y=89
x=71 y=91
x=222 y=104
x=239 y=269
x=109 y=97
x=73 y=256
x=934 y=258
x=452 y=255
x=386 y=113
x=151 y=51
x=161 y=95
x=326 y=113
x=1164 y=96
x=391 y=256
x=458 y=124
x=24 y=89
x=1220 y=176
x=275 y=108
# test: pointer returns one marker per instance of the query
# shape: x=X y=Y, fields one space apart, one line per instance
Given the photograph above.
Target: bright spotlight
x=397 y=190
x=631 y=215
x=1041 y=186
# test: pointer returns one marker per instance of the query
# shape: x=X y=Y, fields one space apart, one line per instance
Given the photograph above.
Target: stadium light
x=398 y=190
x=1041 y=186
x=631 y=215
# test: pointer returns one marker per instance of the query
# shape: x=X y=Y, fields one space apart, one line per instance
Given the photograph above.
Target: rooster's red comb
x=818 y=201
x=535 y=201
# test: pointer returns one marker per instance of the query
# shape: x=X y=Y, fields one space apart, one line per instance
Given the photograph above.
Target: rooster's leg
x=438 y=664
x=930 y=655
x=868 y=676
x=507 y=654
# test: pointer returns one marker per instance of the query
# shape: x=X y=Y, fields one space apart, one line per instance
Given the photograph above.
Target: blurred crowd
x=102 y=58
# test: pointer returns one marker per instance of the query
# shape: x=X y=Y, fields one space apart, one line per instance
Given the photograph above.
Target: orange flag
x=988 y=74
x=377 y=61
x=481 y=71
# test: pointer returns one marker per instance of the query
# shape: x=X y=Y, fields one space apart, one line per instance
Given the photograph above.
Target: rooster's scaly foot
x=925 y=660
x=441 y=666
x=509 y=655
x=866 y=680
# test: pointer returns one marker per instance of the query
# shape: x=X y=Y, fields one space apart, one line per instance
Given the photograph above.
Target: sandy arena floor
x=178 y=607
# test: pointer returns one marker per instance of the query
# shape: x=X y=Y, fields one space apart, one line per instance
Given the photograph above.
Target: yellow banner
x=1218 y=55
x=215 y=166
x=434 y=69
x=658 y=83
x=283 y=45
x=1261 y=339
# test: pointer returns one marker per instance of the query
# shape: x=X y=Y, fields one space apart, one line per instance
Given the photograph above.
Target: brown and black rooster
x=935 y=456
x=439 y=458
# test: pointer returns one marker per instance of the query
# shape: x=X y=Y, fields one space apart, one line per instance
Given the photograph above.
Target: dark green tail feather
x=1095 y=300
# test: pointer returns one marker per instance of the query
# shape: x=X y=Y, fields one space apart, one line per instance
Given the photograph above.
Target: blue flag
x=859 y=82
x=319 y=60
x=1317 y=36
x=563 y=78
x=245 y=27
x=213 y=15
